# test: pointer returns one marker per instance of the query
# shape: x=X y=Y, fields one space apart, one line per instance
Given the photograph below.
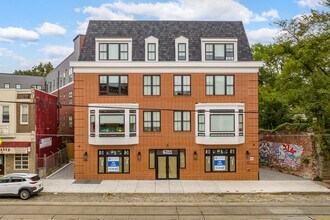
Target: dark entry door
x=2 y=164
x=167 y=167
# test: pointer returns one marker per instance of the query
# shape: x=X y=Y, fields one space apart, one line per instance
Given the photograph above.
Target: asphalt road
x=224 y=211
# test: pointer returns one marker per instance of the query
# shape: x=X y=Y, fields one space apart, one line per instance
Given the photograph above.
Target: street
x=224 y=211
x=168 y=206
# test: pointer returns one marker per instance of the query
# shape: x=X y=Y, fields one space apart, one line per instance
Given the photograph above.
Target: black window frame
x=152 y=85
x=120 y=51
x=181 y=85
x=226 y=85
x=151 y=52
x=229 y=152
x=212 y=53
x=108 y=87
x=185 y=51
x=121 y=153
x=181 y=121
x=152 y=121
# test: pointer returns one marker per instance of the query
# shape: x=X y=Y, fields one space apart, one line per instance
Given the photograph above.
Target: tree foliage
x=39 y=70
x=296 y=75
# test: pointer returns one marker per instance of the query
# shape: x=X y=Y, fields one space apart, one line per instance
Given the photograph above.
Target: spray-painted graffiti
x=280 y=155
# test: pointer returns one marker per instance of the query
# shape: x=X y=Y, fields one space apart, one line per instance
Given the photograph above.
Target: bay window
x=113 y=124
x=219 y=123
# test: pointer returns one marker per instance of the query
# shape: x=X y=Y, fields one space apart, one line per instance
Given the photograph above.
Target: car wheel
x=24 y=194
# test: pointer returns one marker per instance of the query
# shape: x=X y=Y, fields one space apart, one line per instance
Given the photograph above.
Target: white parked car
x=23 y=185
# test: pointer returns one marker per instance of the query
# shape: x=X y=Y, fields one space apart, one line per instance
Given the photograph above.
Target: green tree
x=39 y=70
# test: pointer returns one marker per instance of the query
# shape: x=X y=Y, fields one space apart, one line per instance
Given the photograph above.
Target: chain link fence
x=47 y=165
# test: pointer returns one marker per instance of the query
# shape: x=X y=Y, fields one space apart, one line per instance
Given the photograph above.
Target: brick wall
x=289 y=152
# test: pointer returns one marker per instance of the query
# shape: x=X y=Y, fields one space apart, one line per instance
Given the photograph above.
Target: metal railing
x=47 y=165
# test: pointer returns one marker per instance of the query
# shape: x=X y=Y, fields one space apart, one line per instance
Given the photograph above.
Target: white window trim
x=221 y=41
x=126 y=140
x=207 y=140
x=6 y=85
x=21 y=115
x=151 y=40
x=128 y=41
x=22 y=162
x=181 y=40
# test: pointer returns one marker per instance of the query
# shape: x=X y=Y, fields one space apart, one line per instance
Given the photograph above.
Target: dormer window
x=151 y=49
x=113 y=49
x=219 y=49
x=181 y=49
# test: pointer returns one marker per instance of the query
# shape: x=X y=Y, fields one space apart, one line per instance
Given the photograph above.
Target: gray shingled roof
x=166 y=32
x=26 y=81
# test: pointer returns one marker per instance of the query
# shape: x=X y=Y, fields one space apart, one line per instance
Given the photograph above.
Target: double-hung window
x=113 y=161
x=219 y=85
x=182 y=51
x=113 y=85
x=70 y=75
x=151 y=85
x=70 y=98
x=151 y=51
x=113 y=51
x=7 y=85
x=181 y=120
x=24 y=114
x=220 y=160
x=5 y=114
x=219 y=51
x=151 y=121
x=181 y=85
x=70 y=118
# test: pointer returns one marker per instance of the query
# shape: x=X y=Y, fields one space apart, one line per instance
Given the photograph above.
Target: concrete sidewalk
x=181 y=186
x=271 y=182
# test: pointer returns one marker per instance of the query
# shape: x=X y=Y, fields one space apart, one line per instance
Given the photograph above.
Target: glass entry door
x=167 y=167
x=2 y=164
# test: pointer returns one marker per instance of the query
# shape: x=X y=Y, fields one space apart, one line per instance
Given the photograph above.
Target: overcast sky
x=42 y=30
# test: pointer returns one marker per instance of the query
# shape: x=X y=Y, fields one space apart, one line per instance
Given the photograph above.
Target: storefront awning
x=15 y=147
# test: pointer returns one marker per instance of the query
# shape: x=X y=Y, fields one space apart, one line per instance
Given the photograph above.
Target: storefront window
x=220 y=160
x=113 y=161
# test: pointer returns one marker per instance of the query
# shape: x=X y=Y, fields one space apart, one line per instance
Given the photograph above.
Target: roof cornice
x=165 y=67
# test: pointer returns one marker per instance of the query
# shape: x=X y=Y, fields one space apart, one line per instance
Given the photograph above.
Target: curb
x=57 y=171
x=150 y=204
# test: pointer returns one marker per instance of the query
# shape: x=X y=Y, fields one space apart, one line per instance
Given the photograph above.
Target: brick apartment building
x=59 y=82
x=166 y=100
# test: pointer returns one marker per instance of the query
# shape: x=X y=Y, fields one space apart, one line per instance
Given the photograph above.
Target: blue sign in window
x=113 y=164
x=219 y=163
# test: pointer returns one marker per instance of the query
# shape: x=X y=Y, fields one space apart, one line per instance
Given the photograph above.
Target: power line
x=153 y=109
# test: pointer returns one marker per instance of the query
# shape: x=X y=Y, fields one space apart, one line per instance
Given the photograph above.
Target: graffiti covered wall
x=281 y=155
x=289 y=152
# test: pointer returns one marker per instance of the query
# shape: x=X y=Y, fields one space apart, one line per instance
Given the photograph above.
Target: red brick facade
x=86 y=91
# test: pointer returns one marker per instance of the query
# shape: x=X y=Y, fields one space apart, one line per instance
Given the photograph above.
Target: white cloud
x=309 y=3
x=262 y=35
x=172 y=10
x=4 y=52
x=271 y=14
x=10 y=34
x=51 y=29
x=54 y=51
